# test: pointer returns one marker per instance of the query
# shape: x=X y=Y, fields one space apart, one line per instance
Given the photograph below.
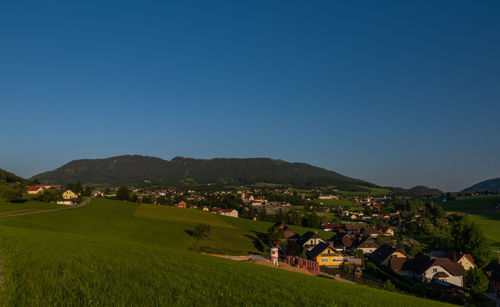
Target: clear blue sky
x=399 y=93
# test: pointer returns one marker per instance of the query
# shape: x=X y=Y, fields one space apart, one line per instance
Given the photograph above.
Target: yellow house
x=69 y=195
x=325 y=255
x=467 y=262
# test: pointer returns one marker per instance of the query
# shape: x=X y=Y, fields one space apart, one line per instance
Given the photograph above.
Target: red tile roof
x=35 y=187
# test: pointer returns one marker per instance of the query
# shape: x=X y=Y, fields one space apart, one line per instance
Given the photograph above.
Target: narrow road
x=86 y=201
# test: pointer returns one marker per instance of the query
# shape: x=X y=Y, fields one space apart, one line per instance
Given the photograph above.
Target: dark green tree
x=123 y=193
x=201 y=231
x=49 y=195
x=12 y=193
x=275 y=234
x=467 y=237
x=476 y=281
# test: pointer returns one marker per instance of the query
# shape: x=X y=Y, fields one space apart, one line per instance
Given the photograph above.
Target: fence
x=310 y=265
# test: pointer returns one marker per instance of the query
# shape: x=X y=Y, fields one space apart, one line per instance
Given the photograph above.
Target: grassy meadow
x=480 y=210
x=125 y=254
x=346 y=204
x=28 y=206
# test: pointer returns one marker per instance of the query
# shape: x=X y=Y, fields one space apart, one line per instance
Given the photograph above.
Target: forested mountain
x=137 y=170
x=492 y=185
x=10 y=177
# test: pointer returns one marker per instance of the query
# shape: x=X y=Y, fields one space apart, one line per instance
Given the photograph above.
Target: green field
x=28 y=206
x=124 y=254
x=346 y=204
x=366 y=191
x=480 y=210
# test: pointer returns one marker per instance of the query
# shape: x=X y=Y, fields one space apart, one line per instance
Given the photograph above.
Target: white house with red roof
x=36 y=189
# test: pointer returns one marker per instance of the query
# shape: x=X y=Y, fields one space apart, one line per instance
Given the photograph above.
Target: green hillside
x=492 y=185
x=28 y=206
x=10 y=177
x=136 y=170
x=124 y=254
x=481 y=210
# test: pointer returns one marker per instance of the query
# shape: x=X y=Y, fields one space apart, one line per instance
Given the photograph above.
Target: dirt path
x=281 y=265
x=86 y=201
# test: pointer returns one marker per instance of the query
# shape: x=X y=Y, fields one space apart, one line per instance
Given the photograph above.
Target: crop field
x=480 y=210
x=28 y=206
x=112 y=253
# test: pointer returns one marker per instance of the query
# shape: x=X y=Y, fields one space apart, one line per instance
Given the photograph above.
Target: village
x=393 y=242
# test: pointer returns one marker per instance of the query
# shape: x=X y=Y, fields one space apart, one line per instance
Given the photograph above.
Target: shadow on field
x=258 y=240
x=189 y=232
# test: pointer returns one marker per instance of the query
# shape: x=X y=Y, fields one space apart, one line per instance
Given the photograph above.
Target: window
x=434 y=270
x=324 y=259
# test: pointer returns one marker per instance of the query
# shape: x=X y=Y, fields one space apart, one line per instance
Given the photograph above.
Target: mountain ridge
x=492 y=185
x=136 y=169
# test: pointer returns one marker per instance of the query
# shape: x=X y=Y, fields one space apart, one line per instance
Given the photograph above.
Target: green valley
x=120 y=253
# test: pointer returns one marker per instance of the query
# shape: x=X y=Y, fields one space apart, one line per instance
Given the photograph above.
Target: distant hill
x=419 y=190
x=137 y=170
x=10 y=177
x=492 y=185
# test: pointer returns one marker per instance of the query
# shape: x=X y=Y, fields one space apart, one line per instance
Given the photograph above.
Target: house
x=67 y=202
x=384 y=254
x=371 y=231
x=290 y=234
x=352 y=228
x=323 y=254
x=492 y=271
x=97 y=194
x=68 y=195
x=328 y=197
x=343 y=241
x=353 y=260
x=181 y=204
x=454 y=293
x=444 y=270
x=226 y=212
x=36 y=189
x=426 y=268
x=229 y=212
x=247 y=198
x=387 y=231
x=367 y=246
x=309 y=240
x=466 y=261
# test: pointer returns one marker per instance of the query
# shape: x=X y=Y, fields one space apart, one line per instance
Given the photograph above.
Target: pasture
x=480 y=209
x=112 y=253
x=27 y=206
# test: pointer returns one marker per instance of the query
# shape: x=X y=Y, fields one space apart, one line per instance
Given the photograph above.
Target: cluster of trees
x=463 y=235
x=294 y=198
x=293 y=217
x=11 y=193
x=79 y=188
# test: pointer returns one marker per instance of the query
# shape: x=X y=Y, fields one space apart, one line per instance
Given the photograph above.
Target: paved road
x=86 y=201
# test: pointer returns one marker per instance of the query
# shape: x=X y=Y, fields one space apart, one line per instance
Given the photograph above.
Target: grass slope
x=29 y=206
x=480 y=210
x=115 y=254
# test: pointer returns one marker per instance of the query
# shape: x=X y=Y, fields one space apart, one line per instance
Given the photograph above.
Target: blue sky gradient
x=399 y=93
